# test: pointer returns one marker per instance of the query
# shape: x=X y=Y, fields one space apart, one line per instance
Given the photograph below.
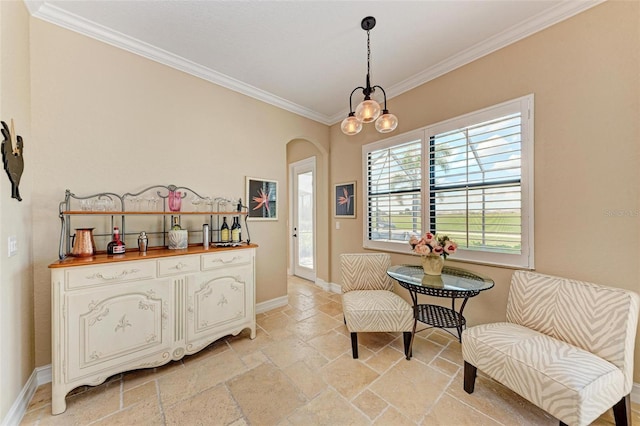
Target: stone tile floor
x=299 y=371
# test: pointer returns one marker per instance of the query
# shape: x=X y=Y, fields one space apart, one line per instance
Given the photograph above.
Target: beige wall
x=16 y=279
x=92 y=114
x=584 y=73
x=108 y=120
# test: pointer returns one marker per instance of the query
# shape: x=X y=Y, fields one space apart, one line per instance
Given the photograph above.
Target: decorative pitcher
x=83 y=243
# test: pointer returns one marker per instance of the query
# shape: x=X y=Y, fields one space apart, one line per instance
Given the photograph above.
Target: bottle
x=224 y=231
x=116 y=246
x=142 y=242
x=205 y=235
x=236 y=230
x=175 y=226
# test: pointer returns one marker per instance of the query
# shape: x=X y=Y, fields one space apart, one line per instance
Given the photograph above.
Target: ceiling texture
x=307 y=56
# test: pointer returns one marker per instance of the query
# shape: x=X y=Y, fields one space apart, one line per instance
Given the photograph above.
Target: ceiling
x=307 y=56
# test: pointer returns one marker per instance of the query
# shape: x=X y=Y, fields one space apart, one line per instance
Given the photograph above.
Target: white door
x=303 y=241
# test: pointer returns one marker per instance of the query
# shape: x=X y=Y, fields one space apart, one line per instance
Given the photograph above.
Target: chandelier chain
x=368 y=54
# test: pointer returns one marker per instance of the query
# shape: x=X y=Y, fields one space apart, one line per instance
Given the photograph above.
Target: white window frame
x=524 y=105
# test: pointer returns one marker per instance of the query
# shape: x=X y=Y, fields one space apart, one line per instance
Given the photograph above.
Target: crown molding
x=33 y=5
x=537 y=23
x=53 y=14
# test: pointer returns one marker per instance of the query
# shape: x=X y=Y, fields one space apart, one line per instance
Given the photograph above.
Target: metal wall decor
x=12 y=157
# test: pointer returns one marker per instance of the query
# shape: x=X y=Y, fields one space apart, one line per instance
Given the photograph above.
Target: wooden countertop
x=152 y=253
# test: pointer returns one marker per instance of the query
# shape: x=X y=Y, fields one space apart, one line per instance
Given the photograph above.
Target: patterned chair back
x=365 y=271
x=598 y=319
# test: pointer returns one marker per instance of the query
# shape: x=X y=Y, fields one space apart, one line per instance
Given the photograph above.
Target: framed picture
x=262 y=199
x=345 y=199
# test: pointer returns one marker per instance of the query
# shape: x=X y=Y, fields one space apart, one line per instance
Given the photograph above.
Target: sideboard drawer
x=109 y=273
x=178 y=265
x=226 y=258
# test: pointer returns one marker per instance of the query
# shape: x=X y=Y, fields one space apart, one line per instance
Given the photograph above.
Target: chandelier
x=368 y=110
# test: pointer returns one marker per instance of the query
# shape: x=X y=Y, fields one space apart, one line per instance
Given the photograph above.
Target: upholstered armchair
x=368 y=301
x=567 y=347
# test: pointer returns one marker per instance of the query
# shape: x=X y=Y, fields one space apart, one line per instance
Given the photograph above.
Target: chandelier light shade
x=368 y=110
x=351 y=125
x=386 y=122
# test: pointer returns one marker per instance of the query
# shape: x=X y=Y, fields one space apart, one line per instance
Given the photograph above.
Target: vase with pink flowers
x=433 y=250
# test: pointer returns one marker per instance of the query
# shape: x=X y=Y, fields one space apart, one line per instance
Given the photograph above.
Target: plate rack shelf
x=147 y=210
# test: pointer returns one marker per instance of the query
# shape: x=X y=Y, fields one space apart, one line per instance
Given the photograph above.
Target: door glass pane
x=305 y=220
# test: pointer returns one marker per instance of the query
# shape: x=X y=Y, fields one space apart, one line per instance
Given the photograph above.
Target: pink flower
x=262 y=199
x=438 y=250
x=422 y=249
x=413 y=241
x=345 y=198
x=430 y=238
x=450 y=247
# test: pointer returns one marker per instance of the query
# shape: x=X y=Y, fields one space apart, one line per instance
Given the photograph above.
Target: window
x=470 y=178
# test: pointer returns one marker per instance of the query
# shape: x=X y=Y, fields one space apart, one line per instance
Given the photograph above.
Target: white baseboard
x=279 y=302
x=332 y=287
x=43 y=374
x=39 y=376
x=268 y=305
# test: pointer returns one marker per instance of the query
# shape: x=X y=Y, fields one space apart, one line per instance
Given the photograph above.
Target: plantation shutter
x=474 y=185
x=469 y=178
x=394 y=208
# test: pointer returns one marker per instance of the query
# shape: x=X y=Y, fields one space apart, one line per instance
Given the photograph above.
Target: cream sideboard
x=116 y=313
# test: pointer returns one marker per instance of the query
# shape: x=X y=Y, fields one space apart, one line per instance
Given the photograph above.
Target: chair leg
x=622 y=411
x=470 y=372
x=407 y=335
x=354 y=345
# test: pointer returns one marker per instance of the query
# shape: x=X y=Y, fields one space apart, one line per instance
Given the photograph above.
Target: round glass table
x=454 y=283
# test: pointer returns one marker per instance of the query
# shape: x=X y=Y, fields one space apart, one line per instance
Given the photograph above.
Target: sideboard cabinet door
x=123 y=324
x=220 y=303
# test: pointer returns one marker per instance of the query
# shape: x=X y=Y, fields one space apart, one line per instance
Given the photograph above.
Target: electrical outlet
x=13 y=245
x=337 y=225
